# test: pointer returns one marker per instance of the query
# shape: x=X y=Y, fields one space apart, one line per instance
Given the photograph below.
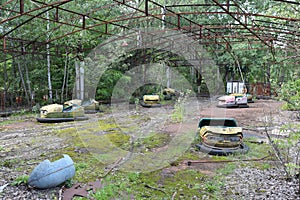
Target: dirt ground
x=25 y=142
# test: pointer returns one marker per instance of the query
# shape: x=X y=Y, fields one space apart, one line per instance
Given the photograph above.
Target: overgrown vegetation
x=287 y=150
x=290 y=92
x=20 y=180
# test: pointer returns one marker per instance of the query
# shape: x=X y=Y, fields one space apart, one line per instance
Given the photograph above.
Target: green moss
x=7 y=122
x=106 y=125
x=120 y=140
x=187 y=156
x=187 y=184
x=155 y=140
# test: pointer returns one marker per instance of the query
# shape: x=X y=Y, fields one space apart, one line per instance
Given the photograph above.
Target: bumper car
x=221 y=136
x=229 y=101
x=151 y=101
x=249 y=96
x=89 y=106
x=54 y=113
x=169 y=93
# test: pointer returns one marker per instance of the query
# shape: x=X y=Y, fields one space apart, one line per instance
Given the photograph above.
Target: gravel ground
x=249 y=183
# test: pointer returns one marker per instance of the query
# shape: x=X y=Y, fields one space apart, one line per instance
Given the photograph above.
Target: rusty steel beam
x=234 y=13
x=197 y=5
x=31 y=18
x=21 y=6
x=43 y=18
x=21 y=24
x=239 y=21
x=6 y=3
x=146 y=8
x=80 y=27
x=33 y=10
x=290 y=2
x=178 y=25
x=181 y=19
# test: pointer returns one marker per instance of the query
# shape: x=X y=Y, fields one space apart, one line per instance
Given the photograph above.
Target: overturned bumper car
x=221 y=136
x=232 y=101
x=54 y=113
x=151 y=101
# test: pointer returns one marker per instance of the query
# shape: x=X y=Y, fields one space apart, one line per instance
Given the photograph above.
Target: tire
x=243 y=106
x=59 y=120
x=150 y=105
x=227 y=106
x=222 y=151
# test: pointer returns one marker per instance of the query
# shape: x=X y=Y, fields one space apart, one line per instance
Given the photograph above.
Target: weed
x=69 y=183
x=227 y=169
x=81 y=166
x=212 y=187
x=133 y=177
x=20 y=180
x=9 y=163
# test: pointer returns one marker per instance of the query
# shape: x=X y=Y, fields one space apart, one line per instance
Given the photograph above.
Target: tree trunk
x=21 y=77
x=48 y=62
x=29 y=100
x=49 y=74
x=22 y=81
x=168 y=74
x=28 y=85
x=5 y=86
x=65 y=78
x=77 y=81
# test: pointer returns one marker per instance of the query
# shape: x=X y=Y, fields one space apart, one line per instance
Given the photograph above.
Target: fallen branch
x=225 y=161
x=148 y=186
x=277 y=154
x=115 y=164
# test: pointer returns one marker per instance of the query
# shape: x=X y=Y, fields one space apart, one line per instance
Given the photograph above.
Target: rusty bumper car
x=89 y=106
x=151 y=101
x=231 y=101
x=54 y=113
x=220 y=136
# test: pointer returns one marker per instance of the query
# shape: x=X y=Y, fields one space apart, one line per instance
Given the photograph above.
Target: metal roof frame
x=270 y=31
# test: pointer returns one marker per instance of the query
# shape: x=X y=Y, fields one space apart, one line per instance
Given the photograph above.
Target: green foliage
x=213 y=186
x=117 y=186
x=69 y=183
x=106 y=86
x=289 y=149
x=20 y=180
x=290 y=92
x=179 y=110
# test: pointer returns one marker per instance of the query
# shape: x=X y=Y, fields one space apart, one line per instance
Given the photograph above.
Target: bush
x=290 y=92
